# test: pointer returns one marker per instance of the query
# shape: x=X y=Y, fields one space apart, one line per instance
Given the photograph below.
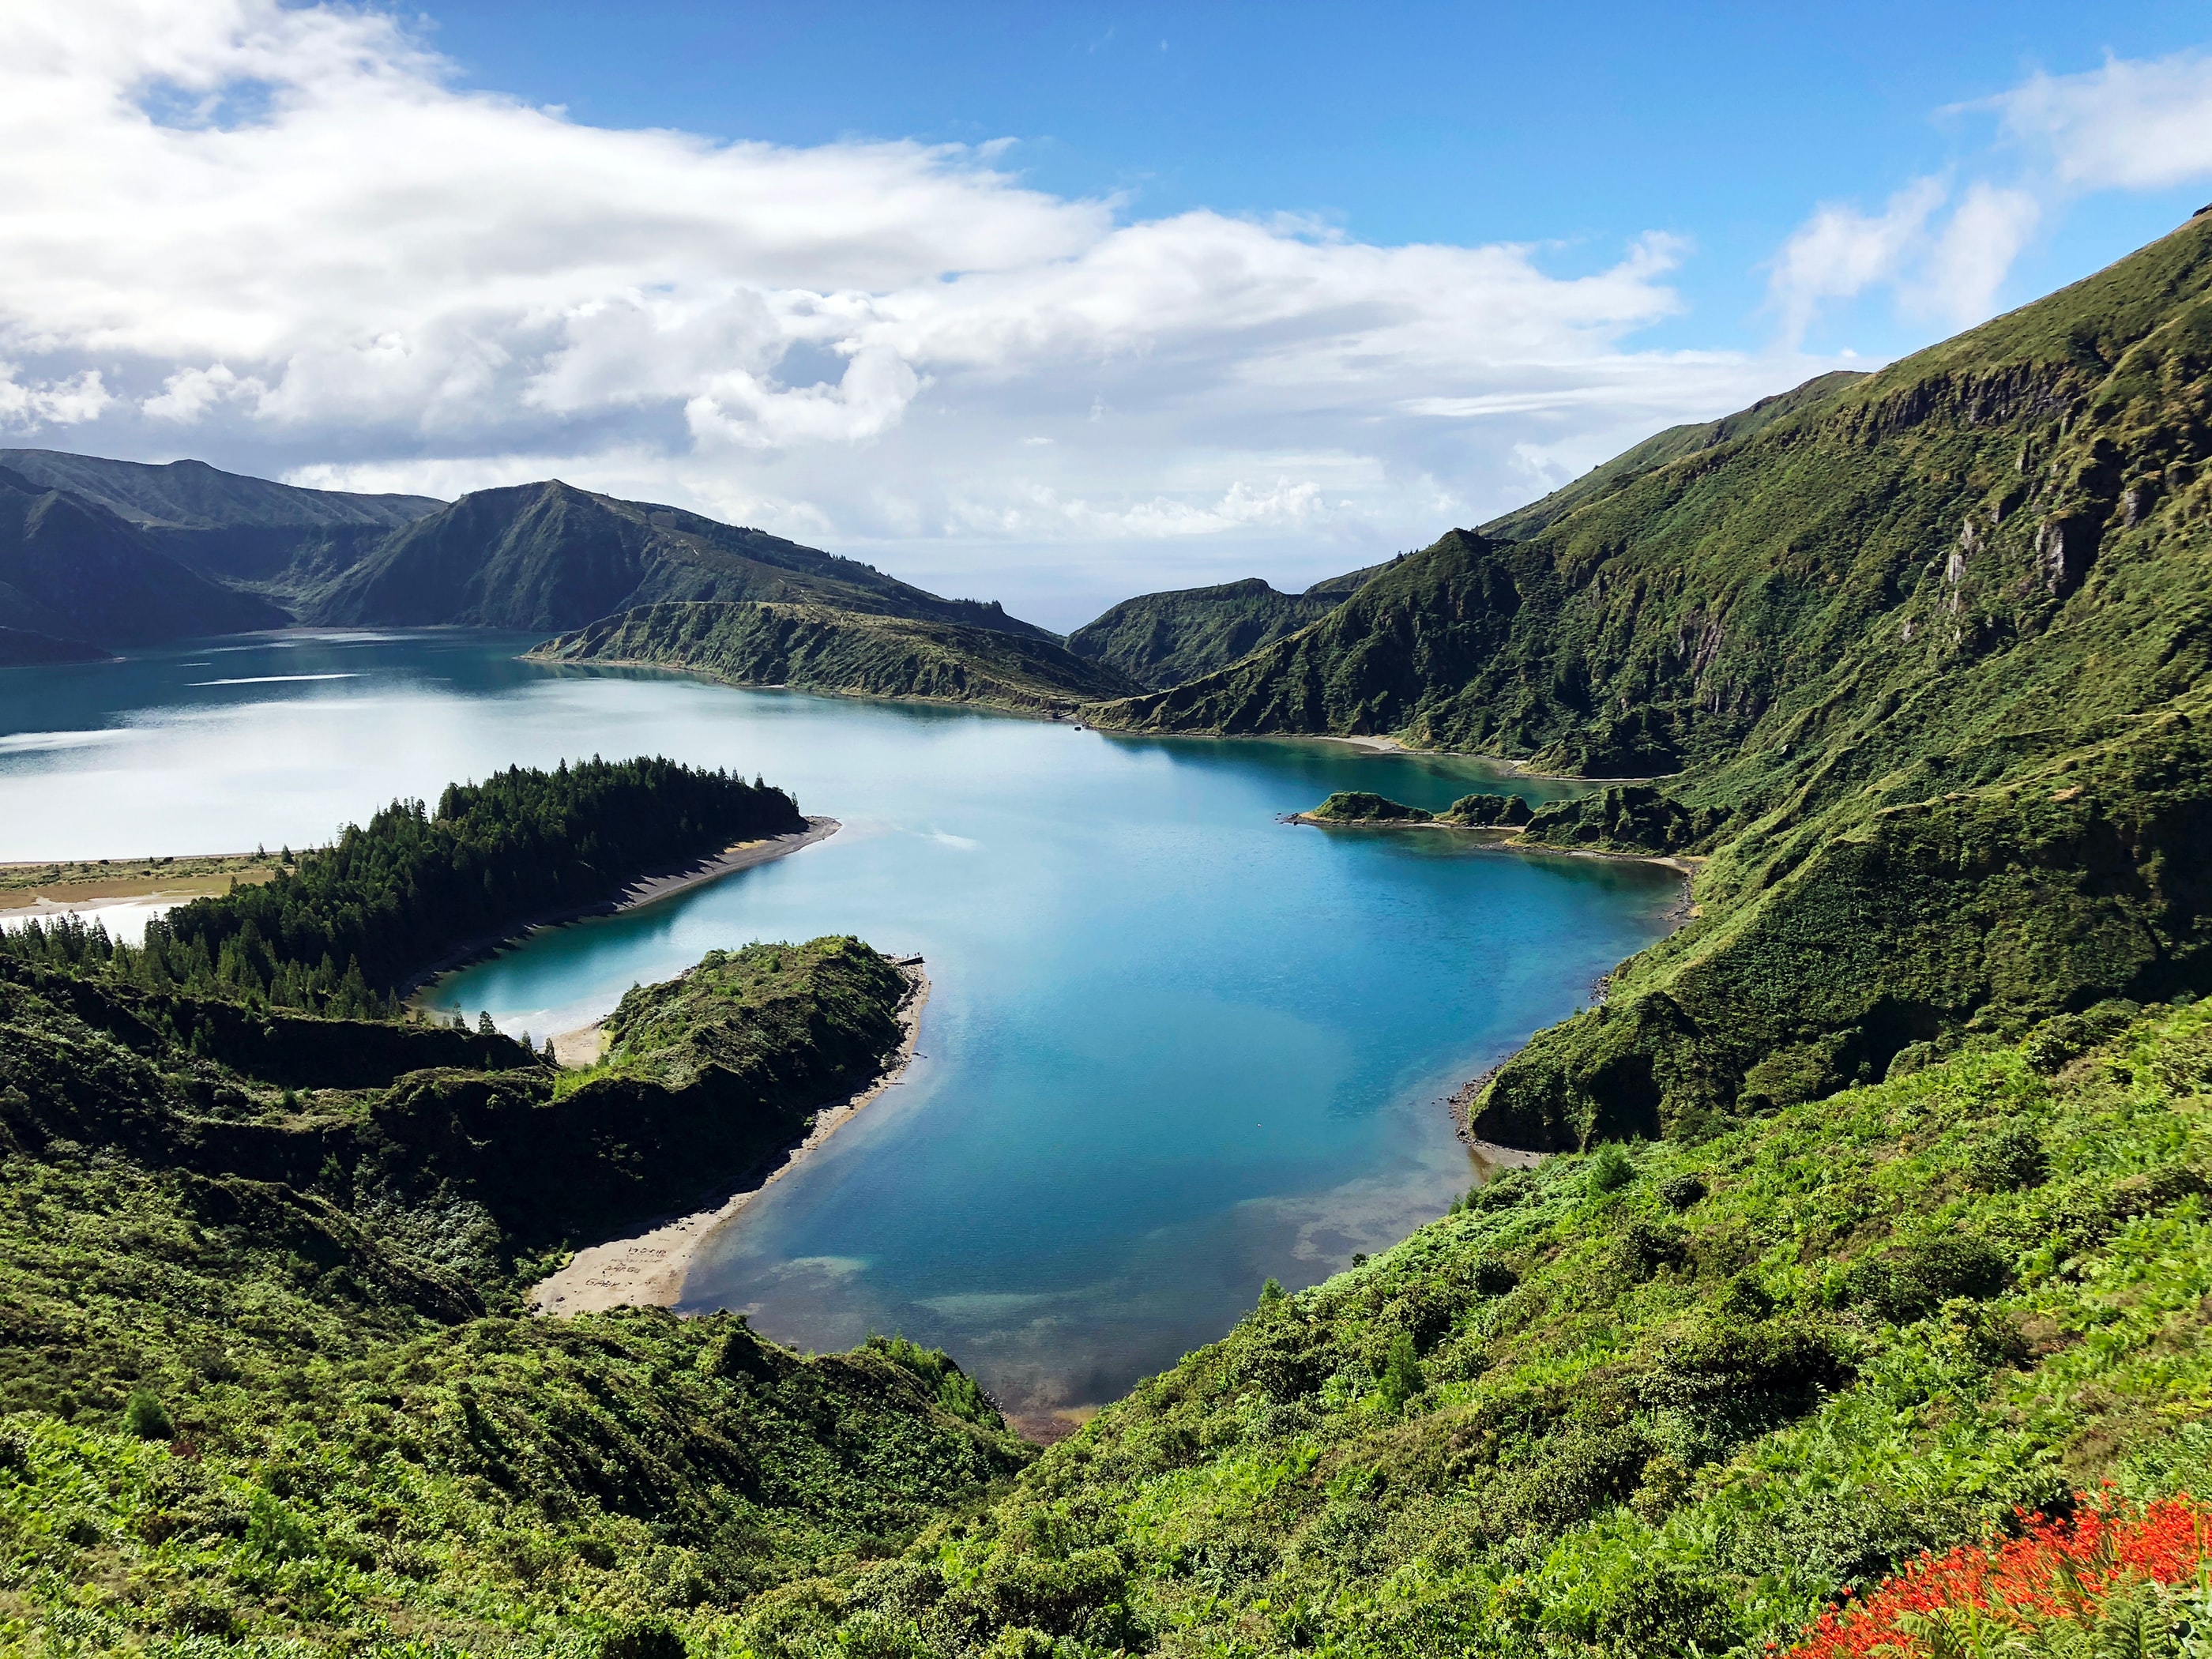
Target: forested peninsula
x=816 y=648
x=343 y=929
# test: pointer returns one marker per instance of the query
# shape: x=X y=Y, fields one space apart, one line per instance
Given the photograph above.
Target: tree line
x=415 y=886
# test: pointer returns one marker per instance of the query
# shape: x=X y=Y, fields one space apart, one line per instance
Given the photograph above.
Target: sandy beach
x=645 y=889
x=647 y=1268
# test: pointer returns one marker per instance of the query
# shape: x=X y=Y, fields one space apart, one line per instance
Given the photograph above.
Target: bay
x=1174 y=1045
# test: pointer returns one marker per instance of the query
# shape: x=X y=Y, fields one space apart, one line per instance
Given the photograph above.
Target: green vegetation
x=1672 y=444
x=825 y=650
x=549 y=556
x=262 y=1376
x=1633 y=1401
x=414 y=887
x=1360 y=806
x=74 y=577
x=1164 y=639
x=1926 y=657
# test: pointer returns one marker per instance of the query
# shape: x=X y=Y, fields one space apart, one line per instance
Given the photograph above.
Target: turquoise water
x=1173 y=1046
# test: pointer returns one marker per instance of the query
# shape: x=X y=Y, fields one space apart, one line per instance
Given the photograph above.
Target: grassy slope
x=821 y=649
x=1672 y=444
x=1931 y=657
x=1639 y=1400
x=361 y=1454
x=1164 y=639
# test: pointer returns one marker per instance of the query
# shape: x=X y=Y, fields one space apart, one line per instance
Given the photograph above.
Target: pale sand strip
x=649 y=1269
x=645 y=889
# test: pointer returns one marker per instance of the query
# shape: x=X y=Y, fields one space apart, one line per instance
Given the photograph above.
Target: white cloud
x=1840 y=252
x=283 y=230
x=2129 y=126
x=69 y=402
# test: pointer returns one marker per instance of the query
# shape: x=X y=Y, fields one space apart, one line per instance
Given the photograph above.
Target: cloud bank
x=287 y=239
x=285 y=236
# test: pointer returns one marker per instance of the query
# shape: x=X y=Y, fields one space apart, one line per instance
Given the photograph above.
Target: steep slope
x=1929 y=660
x=1672 y=444
x=1163 y=639
x=549 y=556
x=1646 y=1405
x=277 y=538
x=820 y=649
x=77 y=575
x=266 y=1381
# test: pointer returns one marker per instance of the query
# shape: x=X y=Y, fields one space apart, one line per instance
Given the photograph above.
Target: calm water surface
x=1174 y=1046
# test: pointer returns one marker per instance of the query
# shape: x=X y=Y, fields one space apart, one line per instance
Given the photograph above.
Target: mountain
x=1926 y=661
x=822 y=649
x=1672 y=444
x=224 y=524
x=74 y=576
x=549 y=556
x=1163 y=639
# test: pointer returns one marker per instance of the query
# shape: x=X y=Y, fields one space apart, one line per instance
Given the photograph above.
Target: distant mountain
x=549 y=555
x=74 y=576
x=1160 y=640
x=1929 y=661
x=817 y=648
x=1163 y=639
x=1672 y=444
x=242 y=530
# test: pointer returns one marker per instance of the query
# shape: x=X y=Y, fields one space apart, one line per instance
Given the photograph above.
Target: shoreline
x=1508 y=840
x=640 y=890
x=647 y=1268
x=1059 y=712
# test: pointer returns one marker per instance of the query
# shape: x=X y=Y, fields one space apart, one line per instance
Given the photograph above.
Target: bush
x=1911 y=1281
x=2010 y=1160
x=144 y=1417
x=1682 y=1192
x=1403 y=1379
x=1611 y=1169
x=643 y=1638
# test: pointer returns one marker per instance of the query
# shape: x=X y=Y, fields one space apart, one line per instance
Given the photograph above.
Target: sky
x=1053 y=304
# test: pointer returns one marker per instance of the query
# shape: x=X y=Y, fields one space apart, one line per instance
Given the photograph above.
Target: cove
x=1174 y=1046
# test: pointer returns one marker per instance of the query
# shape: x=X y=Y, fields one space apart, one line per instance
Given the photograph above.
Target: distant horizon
x=1054 y=308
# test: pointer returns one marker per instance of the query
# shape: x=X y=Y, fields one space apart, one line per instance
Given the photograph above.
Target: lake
x=1174 y=1046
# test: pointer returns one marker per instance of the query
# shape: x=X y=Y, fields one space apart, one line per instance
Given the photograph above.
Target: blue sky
x=1054 y=304
x=1575 y=127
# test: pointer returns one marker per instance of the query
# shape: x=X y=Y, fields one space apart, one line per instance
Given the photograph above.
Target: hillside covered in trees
x=1922 y=666
x=816 y=649
x=390 y=900
x=264 y=1376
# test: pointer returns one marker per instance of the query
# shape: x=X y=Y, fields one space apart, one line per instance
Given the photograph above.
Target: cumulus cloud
x=1944 y=251
x=254 y=230
x=2129 y=126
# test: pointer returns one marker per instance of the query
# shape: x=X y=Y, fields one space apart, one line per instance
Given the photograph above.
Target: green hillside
x=1164 y=639
x=267 y=537
x=549 y=555
x=74 y=577
x=1926 y=661
x=819 y=649
x=1672 y=444
x=263 y=1377
x=1641 y=1404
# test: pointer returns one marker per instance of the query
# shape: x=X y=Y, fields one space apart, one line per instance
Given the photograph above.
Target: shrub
x=144 y=1417
x=2010 y=1160
x=643 y=1638
x=1911 y=1281
x=1611 y=1169
x=1682 y=1192
x=1403 y=1379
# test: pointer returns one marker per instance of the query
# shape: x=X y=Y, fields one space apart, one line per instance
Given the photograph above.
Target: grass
x=1657 y=1395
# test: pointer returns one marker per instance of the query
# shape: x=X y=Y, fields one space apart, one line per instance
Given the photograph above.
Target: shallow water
x=1174 y=1045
